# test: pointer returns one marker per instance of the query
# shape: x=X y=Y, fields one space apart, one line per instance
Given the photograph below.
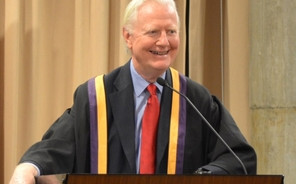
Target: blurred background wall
x=243 y=51
x=273 y=85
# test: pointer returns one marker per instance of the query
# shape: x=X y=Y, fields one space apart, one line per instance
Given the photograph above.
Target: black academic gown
x=65 y=146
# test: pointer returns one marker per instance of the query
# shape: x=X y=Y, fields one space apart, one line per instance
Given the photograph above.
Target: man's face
x=154 y=40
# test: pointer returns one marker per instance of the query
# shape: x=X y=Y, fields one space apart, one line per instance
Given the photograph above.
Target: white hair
x=131 y=12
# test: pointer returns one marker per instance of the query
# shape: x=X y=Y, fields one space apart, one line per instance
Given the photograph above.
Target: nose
x=163 y=39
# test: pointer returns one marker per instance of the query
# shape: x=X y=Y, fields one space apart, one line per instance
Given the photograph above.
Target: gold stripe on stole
x=174 y=124
x=102 y=125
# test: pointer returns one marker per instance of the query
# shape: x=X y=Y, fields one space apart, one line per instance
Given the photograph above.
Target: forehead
x=152 y=12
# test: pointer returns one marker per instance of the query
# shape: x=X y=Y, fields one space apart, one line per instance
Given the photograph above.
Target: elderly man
x=125 y=122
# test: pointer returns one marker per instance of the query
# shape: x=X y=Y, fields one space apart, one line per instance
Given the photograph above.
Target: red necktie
x=149 y=130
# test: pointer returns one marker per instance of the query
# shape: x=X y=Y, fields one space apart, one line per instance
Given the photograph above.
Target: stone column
x=273 y=85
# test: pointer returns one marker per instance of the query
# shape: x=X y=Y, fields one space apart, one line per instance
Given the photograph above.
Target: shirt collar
x=140 y=84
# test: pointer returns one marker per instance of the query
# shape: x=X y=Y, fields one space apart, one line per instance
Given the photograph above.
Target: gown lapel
x=163 y=128
x=122 y=105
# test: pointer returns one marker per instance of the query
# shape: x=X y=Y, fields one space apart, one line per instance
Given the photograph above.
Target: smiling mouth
x=160 y=52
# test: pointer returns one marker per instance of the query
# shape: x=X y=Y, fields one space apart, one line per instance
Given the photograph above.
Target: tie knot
x=152 y=89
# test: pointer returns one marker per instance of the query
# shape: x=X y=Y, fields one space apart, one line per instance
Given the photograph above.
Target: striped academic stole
x=98 y=125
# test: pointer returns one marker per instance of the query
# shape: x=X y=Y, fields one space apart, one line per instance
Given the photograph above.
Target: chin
x=165 y=64
x=162 y=66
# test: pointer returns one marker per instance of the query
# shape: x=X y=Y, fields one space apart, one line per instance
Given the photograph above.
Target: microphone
x=163 y=82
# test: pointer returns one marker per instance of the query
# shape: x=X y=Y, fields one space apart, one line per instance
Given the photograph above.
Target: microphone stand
x=162 y=82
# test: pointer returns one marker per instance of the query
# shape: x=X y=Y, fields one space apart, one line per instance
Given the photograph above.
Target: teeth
x=159 y=53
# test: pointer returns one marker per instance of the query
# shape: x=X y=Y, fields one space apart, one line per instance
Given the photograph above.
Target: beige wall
x=273 y=86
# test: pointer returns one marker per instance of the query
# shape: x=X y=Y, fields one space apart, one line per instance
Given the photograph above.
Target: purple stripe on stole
x=93 y=126
x=182 y=127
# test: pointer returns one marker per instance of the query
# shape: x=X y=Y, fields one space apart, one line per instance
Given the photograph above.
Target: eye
x=152 y=32
x=172 y=32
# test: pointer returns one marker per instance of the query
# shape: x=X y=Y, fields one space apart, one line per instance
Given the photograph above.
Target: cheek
x=140 y=44
x=175 y=43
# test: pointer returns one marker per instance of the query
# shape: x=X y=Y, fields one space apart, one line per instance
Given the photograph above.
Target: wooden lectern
x=158 y=179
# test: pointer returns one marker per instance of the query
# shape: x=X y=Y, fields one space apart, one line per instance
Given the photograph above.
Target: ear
x=127 y=37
